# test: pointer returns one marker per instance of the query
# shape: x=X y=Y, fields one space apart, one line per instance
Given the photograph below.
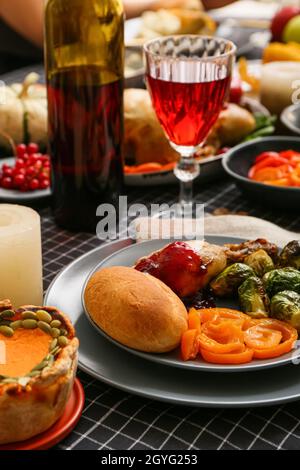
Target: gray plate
x=17 y=197
x=127 y=257
x=107 y=362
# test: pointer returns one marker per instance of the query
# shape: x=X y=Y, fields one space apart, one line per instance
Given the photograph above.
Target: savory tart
x=38 y=361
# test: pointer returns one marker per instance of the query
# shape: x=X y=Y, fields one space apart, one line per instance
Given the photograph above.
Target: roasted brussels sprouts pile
x=267 y=285
x=229 y=280
x=253 y=298
x=286 y=306
x=290 y=255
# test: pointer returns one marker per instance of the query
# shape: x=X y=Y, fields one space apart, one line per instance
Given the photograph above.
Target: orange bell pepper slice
x=194 y=321
x=267 y=174
x=280 y=182
x=211 y=345
x=224 y=330
x=260 y=337
x=294 y=179
x=189 y=345
x=241 y=357
x=209 y=314
x=289 y=336
x=222 y=335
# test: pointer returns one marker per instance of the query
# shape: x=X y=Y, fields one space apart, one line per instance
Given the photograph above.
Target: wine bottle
x=84 y=50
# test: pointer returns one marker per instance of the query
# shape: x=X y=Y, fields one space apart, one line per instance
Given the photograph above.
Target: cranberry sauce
x=178 y=266
x=203 y=299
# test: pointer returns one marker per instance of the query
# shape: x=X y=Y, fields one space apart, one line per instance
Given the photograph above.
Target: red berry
x=38 y=165
x=8 y=171
x=44 y=184
x=32 y=148
x=34 y=184
x=5 y=166
x=24 y=187
x=20 y=163
x=25 y=157
x=20 y=171
x=30 y=171
x=21 y=149
x=33 y=158
x=7 y=182
x=19 y=180
x=47 y=164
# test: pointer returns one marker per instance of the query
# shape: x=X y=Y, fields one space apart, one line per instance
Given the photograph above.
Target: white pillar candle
x=278 y=83
x=20 y=255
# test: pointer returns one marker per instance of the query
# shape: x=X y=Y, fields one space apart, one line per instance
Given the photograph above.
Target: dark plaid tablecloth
x=113 y=419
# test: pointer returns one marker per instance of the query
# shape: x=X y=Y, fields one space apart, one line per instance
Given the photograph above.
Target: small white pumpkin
x=23 y=112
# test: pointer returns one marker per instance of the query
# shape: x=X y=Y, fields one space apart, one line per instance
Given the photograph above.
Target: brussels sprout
x=228 y=281
x=286 y=306
x=253 y=298
x=282 y=279
x=290 y=255
x=260 y=262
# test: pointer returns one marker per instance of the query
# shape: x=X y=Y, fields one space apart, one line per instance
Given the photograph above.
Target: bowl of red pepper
x=267 y=170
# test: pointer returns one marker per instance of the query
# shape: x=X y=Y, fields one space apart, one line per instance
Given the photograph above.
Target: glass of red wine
x=188 y=78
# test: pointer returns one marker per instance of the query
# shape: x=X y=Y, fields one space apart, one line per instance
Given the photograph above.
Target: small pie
x=38 y=361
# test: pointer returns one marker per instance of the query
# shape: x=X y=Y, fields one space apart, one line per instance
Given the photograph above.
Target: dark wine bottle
x=84 y=68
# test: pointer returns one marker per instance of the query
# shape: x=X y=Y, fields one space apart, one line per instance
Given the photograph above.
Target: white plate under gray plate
x=127 y=257
x=17 y=197
x=114 y=366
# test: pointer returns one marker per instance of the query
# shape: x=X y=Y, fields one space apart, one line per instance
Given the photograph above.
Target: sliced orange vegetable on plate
x=289 y=336
x=260 y=337
x=194 y=320
x=241 y=357
x=189 y=344
x=209 y=344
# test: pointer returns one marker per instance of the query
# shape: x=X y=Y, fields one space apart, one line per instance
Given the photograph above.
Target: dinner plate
x=210 y=169
x=116 y=367
x=127 y=257
x=18 y=197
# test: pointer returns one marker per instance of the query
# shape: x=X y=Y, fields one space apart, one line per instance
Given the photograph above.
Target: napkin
x=228 y=225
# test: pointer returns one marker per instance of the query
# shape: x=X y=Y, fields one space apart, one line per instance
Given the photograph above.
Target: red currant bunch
x=30 y=172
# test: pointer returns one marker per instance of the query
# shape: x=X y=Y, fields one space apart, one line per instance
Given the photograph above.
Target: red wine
x=85 y=133
x=187 y=111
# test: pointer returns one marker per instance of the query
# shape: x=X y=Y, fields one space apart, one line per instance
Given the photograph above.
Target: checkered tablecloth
x=113 y=419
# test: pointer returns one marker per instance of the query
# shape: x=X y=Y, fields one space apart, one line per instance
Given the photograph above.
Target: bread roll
x=136 y=309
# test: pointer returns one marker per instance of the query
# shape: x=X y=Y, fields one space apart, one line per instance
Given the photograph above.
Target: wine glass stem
x=186 y=170
x=186 y=193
